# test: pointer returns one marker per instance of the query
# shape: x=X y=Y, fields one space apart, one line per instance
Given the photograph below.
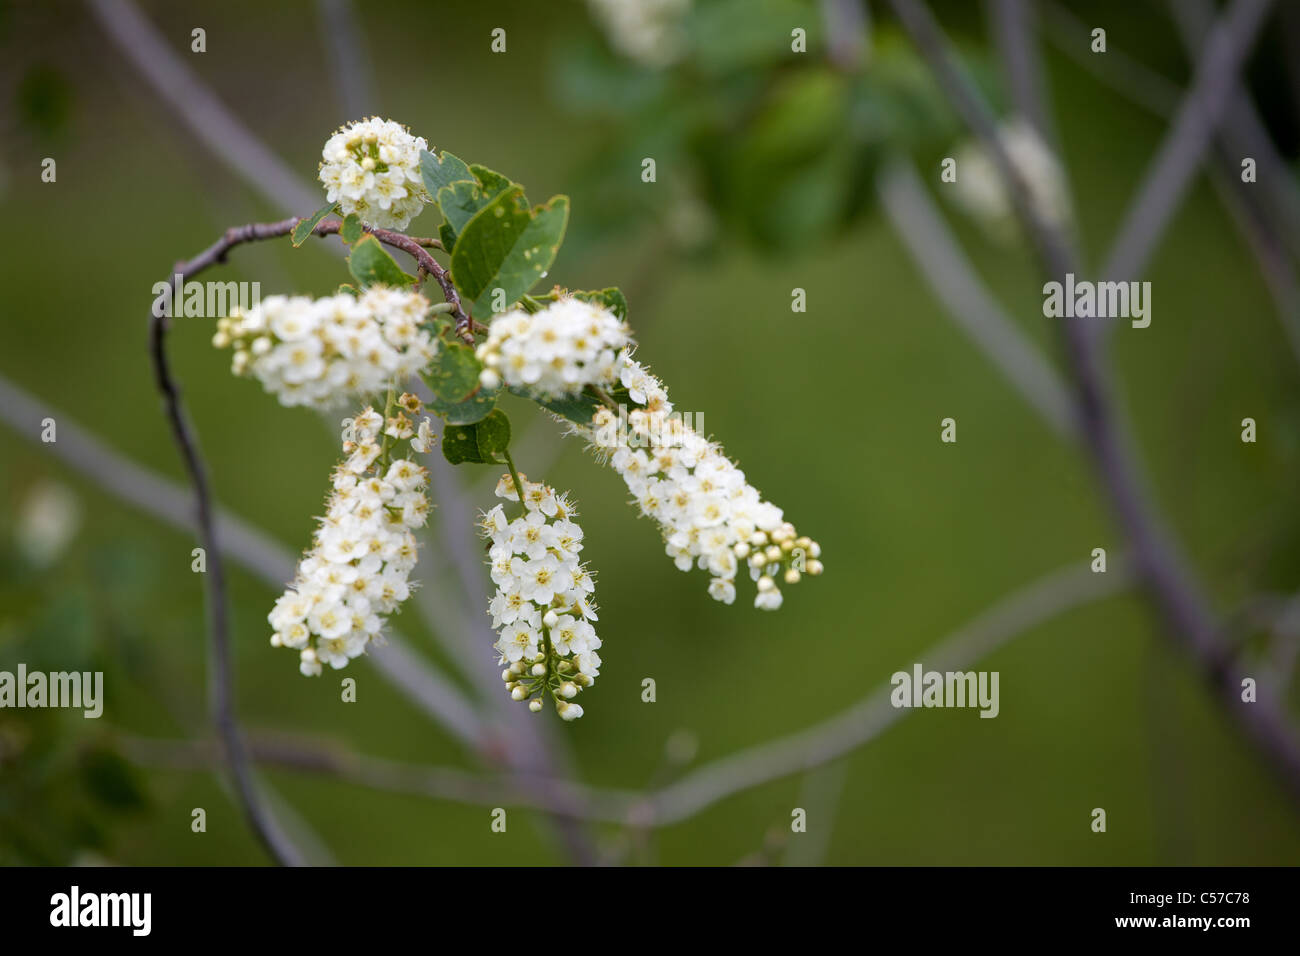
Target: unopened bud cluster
x=372 y=168
x=322 y=351
x=543 y=606
x=364 y=549
x=709 y=514
x=554 y=352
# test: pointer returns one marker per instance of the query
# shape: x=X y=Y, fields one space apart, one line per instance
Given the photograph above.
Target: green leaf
x=507 y=246
x=351 y=230
x=469 y=410
x=460 y=201
x=305 y=227
x=460 y=444
x=454 y=372
x=611 y=298
x=493 y=183
x=480 y=442
x=440 y=171
x=349 y=288
x=447 y=236
x=371 y=264
x=579 y=409
x=493 y=434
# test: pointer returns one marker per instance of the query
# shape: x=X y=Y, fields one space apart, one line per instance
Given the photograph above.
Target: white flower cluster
x=709 y=514
x=372 y=168
x=555 y=352
x=543 y=606
x=363 y=550
x=979 y=189
x=322 y=351
x=647 y=31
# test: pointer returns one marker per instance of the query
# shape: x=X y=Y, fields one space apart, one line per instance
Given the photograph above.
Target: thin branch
x=1025 y=609
x=1160 y=563
x=221 y=681
x=968 y=302
x=347 y=59
x=196 y=106
x=1013 y=30
x=1169 y=174
x=1268 y=224
x=380 y=774
x=823 y=743
x=1132 y=78
x=1243 y=133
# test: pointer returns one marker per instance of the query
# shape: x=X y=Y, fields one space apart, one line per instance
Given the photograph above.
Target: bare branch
x=936 y=253
x=1013 y=29
x=221 y=681
x=1158 y=560
x=347 y=59
x=1267 y=225
x=823 y=743
x=1168 y=175
x=199 y=109
x=1023 y=610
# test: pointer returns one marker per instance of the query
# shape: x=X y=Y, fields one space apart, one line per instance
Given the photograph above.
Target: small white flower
x=325 y=351
x=710 y=516
x=541 y=608
x=372 y=168
x=356 y=571
x=557 y=351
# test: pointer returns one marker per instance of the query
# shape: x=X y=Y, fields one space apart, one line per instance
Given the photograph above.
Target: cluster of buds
x=780 y=553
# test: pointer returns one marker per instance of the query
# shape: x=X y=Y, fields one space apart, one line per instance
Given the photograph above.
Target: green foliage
x=454 y=372
x=579 y=409
x=370 y=264
x=484 y=442
x=748 y=135
x=351 y=229
x=461 y=201
x=440 y=171
x=611 y=298
x=304 y=228
x=507 y=246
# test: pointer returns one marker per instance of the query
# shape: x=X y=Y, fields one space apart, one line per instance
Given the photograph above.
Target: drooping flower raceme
x=709 y=514
x=555 y=352
x=543 y=606
x=372 y=168
x=355 y=573
x=322 y=352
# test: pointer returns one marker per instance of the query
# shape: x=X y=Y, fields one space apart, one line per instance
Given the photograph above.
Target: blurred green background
x=764 y=163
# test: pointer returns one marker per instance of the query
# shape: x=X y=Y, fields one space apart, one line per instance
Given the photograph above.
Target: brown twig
x=221 y=690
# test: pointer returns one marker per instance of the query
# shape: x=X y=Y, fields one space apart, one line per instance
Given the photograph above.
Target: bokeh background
x=766 y=163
